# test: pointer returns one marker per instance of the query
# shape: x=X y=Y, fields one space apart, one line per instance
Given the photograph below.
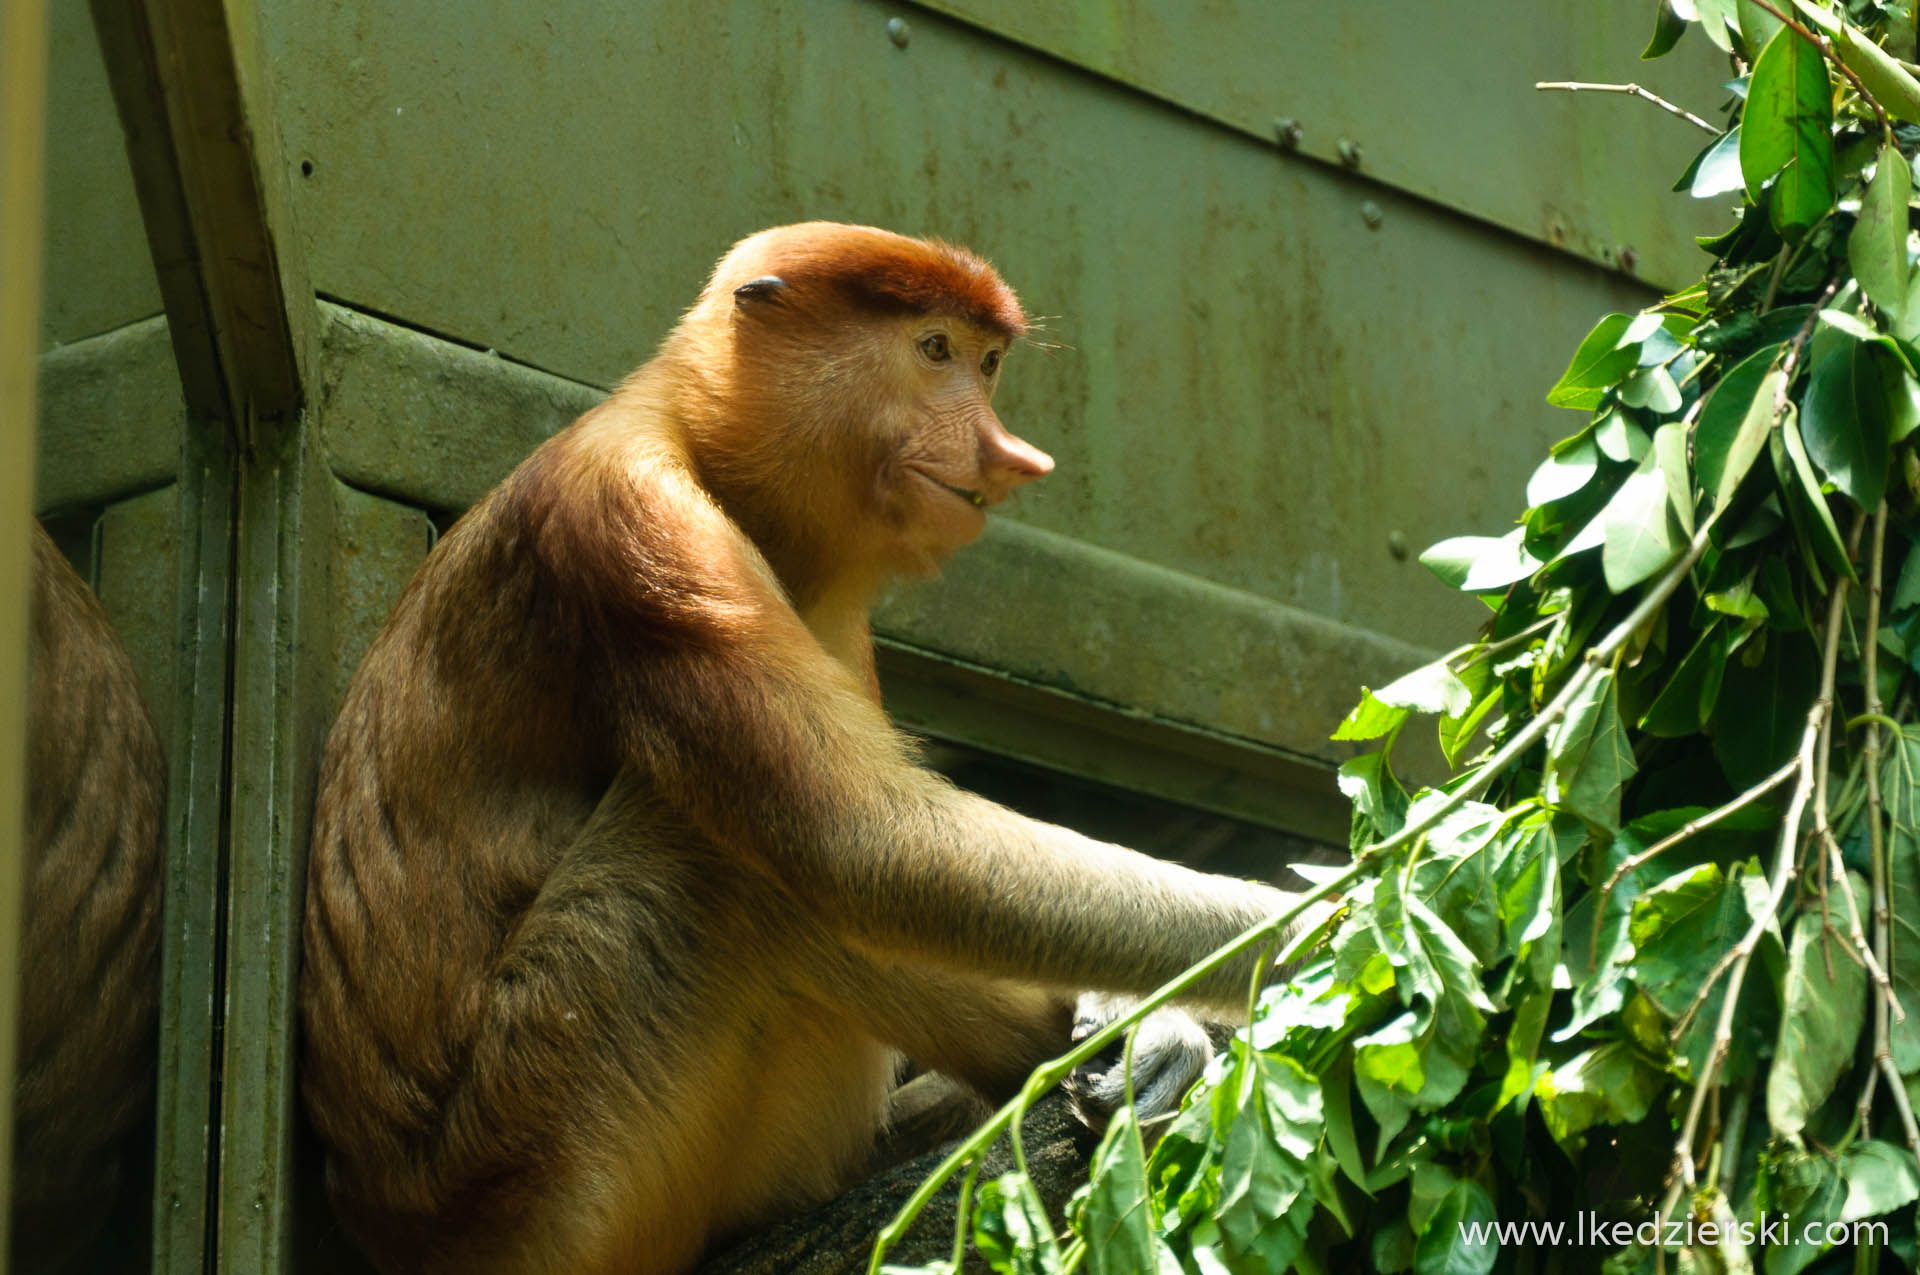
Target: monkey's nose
x=1015 y=460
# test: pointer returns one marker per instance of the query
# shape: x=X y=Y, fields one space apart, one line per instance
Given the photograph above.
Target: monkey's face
x=950 y=458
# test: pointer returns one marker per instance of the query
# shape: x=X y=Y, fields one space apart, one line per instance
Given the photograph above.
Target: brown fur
x=96 y=809
x=625 y=897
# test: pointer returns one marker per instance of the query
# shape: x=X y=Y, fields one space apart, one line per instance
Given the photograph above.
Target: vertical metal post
x=23 y=97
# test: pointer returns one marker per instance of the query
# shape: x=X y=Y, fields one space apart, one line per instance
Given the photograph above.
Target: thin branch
x=1632 y=90
x=1786 y=858
x=1689 y=829
x=1877 y=849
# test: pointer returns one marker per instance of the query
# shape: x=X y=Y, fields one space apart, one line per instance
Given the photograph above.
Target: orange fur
x=625 y=898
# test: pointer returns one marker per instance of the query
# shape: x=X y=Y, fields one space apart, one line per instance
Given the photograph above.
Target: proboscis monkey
x=626 y=900
x=90 y=931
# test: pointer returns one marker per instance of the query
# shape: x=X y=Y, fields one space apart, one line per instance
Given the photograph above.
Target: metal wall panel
x=1437 y=101
x=98 y=273
x=1244 y=380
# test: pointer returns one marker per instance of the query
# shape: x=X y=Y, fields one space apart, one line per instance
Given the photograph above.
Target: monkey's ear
x=765 y=288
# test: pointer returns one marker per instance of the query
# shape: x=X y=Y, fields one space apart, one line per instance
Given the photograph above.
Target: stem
x=1691 y=828
x=1633 y=90
x=1877 y=848
x=1819 y=718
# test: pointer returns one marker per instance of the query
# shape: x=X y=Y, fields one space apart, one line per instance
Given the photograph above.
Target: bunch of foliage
x=1646 y=968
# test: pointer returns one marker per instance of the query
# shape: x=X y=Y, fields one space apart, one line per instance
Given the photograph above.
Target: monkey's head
x=856 y=369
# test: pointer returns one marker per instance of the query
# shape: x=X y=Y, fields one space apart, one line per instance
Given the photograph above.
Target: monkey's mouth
x=973 y=498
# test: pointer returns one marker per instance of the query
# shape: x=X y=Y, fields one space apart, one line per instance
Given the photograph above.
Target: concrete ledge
x=111 y=415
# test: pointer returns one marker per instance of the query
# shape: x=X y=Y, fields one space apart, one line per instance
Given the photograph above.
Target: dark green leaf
x=1681 y=707
x=1825 y=1008
x=1880 y=1178
x=1900 y=791
x=1763 y=708
x=1843 y=418
x=1117 y=1220
x=1608 y=1085
x=1733 y=425
x=1668 y=27
x=1600 y=361
x=1588 y=755
x=1808 y=1189
x=1877 y=249
x=1011 y=1230
x=1459 y=1238
x=1786 y=133
x=1757 y=26
x=1805 y=494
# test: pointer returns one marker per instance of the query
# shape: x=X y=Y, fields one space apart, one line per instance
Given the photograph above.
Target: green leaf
x=1900 y=791
x=1479 y=564
x=1877 y=248
x=1890 y=83
x=1608 y=1085
x=1564 y=472
x=1431 y=688
x=1825 y=1008
x=1806 y=496
x=1757 y=26
x=1618 y=438
x=1523 y=1043
x=1011 y=1230
x=1786 y=133
x=1117 y=1221
x=1589 y=758
x=1600 y=361
x=1808 y=1189
x=1668 y=27
x=1638 y=533
x=1880 y=1178
x=1370 y=719
x=1670 y=460
x=1265 y=1196
x=1843 y=418
x=1716 y=16
x=1734 y=423
x=1718 y=171
x=1459 y=1238
x=1651 y=389
x=1682 y=705
x=1763 y=708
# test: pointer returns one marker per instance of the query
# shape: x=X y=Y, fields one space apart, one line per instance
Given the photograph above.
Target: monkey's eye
x=990 y=364
x=934 y=346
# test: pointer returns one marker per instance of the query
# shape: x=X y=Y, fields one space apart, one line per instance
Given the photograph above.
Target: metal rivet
x=1371 y=214
x=1629 y=259
x=1288 y=130
x=899 y=32
x=1349 y=152
x=1397 y=545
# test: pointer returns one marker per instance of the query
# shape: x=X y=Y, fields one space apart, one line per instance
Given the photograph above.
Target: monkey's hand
x=1168 y=1056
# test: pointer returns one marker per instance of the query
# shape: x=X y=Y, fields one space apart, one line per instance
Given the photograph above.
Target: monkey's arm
x=774 y=750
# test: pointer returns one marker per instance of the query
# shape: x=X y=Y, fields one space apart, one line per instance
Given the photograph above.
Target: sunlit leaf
x=1880 y=1178
x=1733 y=425
x=1599 y=363
x=1608 y=1085
x=1786 y=133
x=1826 y=1006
